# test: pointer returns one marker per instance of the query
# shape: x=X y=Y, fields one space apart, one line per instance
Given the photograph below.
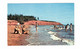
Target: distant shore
x=33 y=22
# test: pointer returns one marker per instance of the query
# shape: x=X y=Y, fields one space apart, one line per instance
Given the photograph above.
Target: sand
x=16 y=39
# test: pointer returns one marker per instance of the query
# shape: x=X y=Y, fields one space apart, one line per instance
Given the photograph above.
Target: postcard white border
x=3 y=24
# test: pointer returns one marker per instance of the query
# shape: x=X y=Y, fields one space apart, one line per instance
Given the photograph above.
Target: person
x=71 y=27
x=19 y=28
x=36 y=25
x=60 y=28
x=55 y=26
x=66 y=27
x=23 y=29
x=16 y=30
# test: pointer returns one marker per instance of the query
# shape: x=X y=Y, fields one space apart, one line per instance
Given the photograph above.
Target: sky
x=59 y=12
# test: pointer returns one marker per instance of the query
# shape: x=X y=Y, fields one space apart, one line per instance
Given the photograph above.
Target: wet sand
x=16 y=39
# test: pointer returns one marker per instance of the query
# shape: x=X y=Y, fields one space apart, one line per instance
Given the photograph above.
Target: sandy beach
x=19 y=39
x=16 y=39
x=44 y=36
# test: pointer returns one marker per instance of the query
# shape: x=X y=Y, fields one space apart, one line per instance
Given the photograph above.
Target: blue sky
x=59 y=12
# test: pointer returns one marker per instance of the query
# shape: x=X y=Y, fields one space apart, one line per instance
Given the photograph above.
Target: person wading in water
x=71 y=27
x=36 y=25
x=66 y=27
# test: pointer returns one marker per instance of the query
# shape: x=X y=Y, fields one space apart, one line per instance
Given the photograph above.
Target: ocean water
x=46 y=35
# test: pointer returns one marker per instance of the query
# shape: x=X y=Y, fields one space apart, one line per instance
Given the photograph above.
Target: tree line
x=20 y=18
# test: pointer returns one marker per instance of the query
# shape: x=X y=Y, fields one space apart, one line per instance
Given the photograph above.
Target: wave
x=54 y=37
x=68 y=41
x=50 y=32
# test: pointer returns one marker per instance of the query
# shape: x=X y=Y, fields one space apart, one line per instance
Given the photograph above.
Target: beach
x=45 y=35
x=16 y=39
